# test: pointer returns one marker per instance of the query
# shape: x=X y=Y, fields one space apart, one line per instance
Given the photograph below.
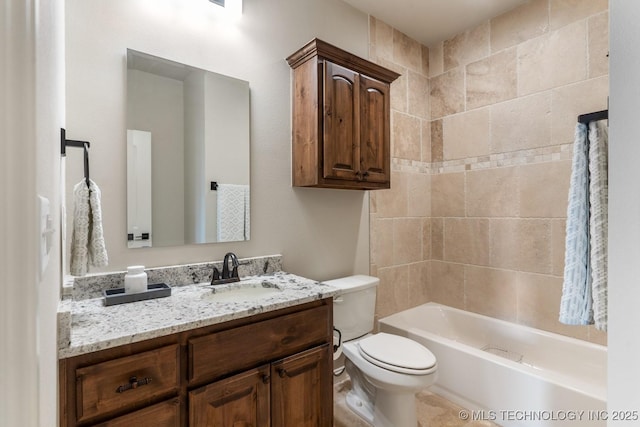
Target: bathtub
x=510 y=374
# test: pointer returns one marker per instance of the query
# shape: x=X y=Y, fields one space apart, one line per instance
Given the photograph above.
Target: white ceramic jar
x=135 y=280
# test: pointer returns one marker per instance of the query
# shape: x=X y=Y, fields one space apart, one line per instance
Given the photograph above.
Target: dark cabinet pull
x=134 y=382
x=266 y=379
x=282 y=372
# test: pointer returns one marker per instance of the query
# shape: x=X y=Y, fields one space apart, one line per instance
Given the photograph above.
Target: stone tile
x=399 y=95
x=437 y=238
x=558 y=243
x=426 y=141
x=407 y=240
x=436 y=411
x=447 y=195
x=418 y=95
x=437 y=144
x=563 y=12
x=521 y=123
x=467 y=134
x=520 y=24
x=392 y=203
x=466 y=240
x=373 y=202
x=393 y=290
x=521 y=244
x=466 y=47
x=407 y=142
x=381 y=36
x=381 y=241
x=426 y=239
x=425 y=60
x=406 y=51
x=491 y=193
x=596 y=336
x=598 y=27
x=544 y=189
x=555 y=59
x=418 y=194
x=419 y=283
x=447 y=284
x=568 y=102
x=436 y=59
x=491 y=292
x=492 y=80
x=447 y=93
x=539 y=304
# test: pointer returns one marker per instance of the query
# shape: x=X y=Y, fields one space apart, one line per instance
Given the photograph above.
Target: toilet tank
x=354 y=306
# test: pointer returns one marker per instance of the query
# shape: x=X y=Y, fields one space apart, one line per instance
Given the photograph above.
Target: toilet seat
x=397 y=354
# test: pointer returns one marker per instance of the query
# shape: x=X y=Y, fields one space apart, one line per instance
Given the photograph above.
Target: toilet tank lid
x=353 y=283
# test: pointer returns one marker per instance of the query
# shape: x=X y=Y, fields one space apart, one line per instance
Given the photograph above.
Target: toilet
x=386 y=370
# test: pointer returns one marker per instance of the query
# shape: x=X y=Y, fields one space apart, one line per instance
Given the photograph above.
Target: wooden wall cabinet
x=341 y=119
x=271 y=370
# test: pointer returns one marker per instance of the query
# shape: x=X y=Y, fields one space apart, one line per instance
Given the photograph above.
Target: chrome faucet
x=227 y=276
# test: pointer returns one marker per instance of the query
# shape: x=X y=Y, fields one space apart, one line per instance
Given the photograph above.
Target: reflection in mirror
x=187 y=154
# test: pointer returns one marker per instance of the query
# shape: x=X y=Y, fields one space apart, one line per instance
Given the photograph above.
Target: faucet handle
x=216 y=275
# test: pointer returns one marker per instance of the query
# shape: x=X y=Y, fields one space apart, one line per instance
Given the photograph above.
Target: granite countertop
x=92 y=326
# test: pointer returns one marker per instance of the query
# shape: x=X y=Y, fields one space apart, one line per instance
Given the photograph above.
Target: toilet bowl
x=386 y=370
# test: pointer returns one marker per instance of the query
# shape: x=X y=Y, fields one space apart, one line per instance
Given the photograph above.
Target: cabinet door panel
x=375 y=132
x=341 y=118
x=301 y=390
x=239 y=401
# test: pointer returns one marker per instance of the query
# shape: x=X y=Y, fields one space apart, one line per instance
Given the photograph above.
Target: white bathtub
x=523 y=377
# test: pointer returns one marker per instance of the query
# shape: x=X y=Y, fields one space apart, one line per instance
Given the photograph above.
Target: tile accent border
x=530 y=156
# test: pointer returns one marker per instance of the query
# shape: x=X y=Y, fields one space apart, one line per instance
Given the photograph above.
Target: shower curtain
x=584 y=290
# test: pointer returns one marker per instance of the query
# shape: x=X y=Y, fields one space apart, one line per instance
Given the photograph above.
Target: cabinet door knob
x=266 y=379
x=282 y=372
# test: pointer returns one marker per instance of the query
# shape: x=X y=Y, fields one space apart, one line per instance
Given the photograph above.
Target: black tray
x=117 y=296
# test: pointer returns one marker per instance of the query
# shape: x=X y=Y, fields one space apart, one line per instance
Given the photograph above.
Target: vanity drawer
x=165 y=414
x=240 y=348
x=107 y=387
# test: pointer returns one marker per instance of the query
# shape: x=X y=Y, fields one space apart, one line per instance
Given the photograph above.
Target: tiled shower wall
x=493 y=159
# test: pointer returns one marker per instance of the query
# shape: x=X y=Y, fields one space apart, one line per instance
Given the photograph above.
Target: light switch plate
x=46 y=232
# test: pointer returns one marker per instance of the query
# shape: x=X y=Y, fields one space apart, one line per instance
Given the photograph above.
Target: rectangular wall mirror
x=187 y=154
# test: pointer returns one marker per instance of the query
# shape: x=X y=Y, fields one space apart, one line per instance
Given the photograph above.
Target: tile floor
x=433 y=410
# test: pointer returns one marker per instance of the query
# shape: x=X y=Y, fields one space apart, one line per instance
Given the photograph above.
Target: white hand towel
x=233 y=212
x=87 y=237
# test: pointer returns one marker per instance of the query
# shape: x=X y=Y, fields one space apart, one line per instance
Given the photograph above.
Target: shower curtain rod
x=593 y=117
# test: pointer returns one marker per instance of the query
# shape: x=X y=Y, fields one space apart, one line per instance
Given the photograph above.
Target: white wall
x=32 y=112
x=321 y=233
x=624 y=209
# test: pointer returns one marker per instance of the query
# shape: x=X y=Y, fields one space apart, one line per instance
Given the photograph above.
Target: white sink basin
x=239 y=292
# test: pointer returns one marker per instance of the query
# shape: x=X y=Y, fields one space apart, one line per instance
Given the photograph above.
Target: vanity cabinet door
x=301 y=389
x=238 y=401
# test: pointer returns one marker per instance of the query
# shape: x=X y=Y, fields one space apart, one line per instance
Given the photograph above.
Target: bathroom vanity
x=198 y=360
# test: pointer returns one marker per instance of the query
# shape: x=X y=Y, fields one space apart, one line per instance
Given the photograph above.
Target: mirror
x=187 y=154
